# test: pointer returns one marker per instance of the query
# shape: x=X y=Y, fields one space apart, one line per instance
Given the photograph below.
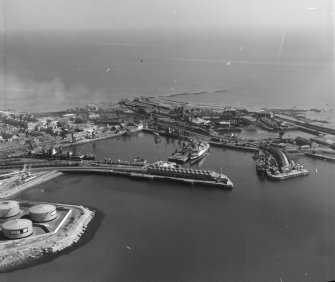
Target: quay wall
x=283 y=176
x=234 y=147
x=36 y=181
x=321 y=157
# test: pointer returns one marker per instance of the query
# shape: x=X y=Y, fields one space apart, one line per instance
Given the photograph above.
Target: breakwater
x=287 y=175
x=140 y=173
x=320 y=157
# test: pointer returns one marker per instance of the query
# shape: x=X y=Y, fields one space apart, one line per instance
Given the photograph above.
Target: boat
x=180 y=156
x=135 y=162
x=133 y=127
x=198 y=160
x=199 y=151
x=53 y=154
x=157 y=137
x=164 y=164
x=192 y=176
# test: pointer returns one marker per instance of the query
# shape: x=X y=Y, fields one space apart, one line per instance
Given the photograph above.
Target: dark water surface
x=259 y=231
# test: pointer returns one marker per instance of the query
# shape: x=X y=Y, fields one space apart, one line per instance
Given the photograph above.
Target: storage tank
x=42 y=213
x=16 y=229
x=9 y=209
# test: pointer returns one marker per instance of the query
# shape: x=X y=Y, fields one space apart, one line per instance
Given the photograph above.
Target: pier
x=276 y=165
x=320 y=157
x=138 y=173
x=234 y=146
x=184 y=176
x=287 y=175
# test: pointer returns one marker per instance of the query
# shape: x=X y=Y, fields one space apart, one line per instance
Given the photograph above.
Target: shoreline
x=43 y=177
x=76 y=143
x=87 y=236
x=15 y=254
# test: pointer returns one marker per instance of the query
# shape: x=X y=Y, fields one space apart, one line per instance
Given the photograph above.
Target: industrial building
x=9 y=209
x=42 y=213
x=281 y=158
x=16 y=229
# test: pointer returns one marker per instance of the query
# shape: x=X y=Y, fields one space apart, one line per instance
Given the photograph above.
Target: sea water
x=156 y=231
x=153 y=231
x=249 y=68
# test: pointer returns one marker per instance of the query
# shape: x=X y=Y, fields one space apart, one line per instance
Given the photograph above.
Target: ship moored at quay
x=191 y=151
x=193 y=176
x=54 y=154
x=160 y=170
x=180 y=156
x=200 y=150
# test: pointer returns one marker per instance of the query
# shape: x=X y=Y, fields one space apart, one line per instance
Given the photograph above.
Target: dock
x=142 y=174
x=234 y=146
x=287 y=175
x=276 y=164
x=320 y=157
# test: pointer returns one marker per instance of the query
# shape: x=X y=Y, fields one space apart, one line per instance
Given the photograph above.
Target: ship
x=180 y=156
x=133 y=127
x=204 y=177
x=199 y=151
x=165 y=164
x=157 y=137
x=53 y=154
x=135 y=162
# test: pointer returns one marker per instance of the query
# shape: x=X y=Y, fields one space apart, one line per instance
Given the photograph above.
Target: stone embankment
x=14 y=253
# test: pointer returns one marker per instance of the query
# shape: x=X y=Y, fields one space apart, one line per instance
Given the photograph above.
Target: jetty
x=287 y=175
x=276 y=164
x=320 y=157
x=234 y=146
x=153 y=171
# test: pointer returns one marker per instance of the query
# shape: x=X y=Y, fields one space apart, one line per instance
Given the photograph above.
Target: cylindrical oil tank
x=9 y=209
x=42 y=213
x=16 y=229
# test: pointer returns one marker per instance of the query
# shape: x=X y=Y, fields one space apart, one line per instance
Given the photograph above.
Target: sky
x=163 y=14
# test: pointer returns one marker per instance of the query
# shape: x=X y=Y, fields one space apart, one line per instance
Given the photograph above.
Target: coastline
x=16 y=253
x=30 y=261
x=43 y=177
x=65 y=145
x=36 y=247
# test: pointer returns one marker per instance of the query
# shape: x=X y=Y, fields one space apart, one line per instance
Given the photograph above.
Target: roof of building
x=8 y=204
x=17 y=224
x=43 y=208
x=69 y=115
